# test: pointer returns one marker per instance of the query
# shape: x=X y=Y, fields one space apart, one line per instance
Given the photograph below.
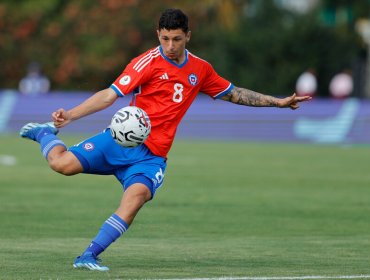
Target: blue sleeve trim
x=85 y=164
x=226 y=91
x=116 y=89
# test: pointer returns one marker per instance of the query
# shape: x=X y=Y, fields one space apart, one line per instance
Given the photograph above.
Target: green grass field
x=227 y=209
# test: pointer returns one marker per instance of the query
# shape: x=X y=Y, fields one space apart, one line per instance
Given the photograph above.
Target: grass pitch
x=227 y=209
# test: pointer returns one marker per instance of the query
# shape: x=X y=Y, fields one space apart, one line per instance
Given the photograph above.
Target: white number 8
x=177 y=95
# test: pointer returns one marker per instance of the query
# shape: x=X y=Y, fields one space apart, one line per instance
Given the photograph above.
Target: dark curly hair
x=173 y=19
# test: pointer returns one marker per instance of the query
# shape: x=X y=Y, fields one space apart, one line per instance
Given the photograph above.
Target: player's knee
x=139 y=194
x=61 y=166
x=66 y=164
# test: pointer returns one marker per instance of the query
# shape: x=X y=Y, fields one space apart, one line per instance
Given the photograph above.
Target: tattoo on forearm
x=248 y=97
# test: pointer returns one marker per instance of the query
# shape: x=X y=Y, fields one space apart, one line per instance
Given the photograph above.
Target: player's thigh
x=149 y=173
x=97 y=154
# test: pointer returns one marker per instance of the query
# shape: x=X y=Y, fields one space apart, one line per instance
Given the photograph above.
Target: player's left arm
x=248 y=97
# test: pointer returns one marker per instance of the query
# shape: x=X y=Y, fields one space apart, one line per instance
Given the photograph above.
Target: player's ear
x=158 y=33
x=188 y=35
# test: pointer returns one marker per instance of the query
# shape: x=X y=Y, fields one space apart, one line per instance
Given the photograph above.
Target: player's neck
x=180 y=60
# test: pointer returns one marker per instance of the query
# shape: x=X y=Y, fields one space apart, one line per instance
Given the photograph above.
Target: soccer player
x=164 y=82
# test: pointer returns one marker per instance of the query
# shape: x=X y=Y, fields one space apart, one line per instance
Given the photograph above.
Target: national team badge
x=125 y=80
x=88 y=146
x=193 y=79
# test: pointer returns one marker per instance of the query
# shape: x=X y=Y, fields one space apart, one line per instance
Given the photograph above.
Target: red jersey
x=165 y=90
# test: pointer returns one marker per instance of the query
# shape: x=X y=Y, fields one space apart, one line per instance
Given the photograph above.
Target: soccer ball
x=130 y=126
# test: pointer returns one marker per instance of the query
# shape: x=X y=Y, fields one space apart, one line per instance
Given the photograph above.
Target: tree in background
x=84 y=45
x=271 y=47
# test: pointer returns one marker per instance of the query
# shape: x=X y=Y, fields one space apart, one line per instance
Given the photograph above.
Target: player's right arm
x=99 y=101
x=243 y=96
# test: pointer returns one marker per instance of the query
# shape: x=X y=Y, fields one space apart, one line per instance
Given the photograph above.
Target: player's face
x=173 y=43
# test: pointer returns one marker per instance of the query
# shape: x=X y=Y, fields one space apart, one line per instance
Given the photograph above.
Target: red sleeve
x=214 y=85
x=136 y=73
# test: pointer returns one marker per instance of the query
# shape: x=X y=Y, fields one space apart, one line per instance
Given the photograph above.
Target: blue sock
x=43 y=132
x=48 y=142
x=112 y=229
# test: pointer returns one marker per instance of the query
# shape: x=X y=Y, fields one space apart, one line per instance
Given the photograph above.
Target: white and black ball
x=130 y=126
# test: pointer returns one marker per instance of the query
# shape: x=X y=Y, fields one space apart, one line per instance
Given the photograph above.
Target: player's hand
x=292 y=101
x=61 y=118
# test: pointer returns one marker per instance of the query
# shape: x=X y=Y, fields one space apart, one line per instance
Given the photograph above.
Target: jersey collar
x=172 y=62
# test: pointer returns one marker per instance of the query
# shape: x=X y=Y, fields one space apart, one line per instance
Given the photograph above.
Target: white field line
x=278 y=278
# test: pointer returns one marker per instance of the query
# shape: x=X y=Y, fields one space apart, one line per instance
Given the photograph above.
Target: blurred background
x=55 y=53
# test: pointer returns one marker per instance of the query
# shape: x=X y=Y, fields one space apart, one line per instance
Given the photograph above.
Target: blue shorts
x=100 y=154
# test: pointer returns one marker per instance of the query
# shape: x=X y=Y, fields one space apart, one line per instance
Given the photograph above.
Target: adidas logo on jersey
x=164 y=76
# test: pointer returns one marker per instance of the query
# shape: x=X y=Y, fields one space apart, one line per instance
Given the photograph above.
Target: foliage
x=86 y=44
x=270 y=50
